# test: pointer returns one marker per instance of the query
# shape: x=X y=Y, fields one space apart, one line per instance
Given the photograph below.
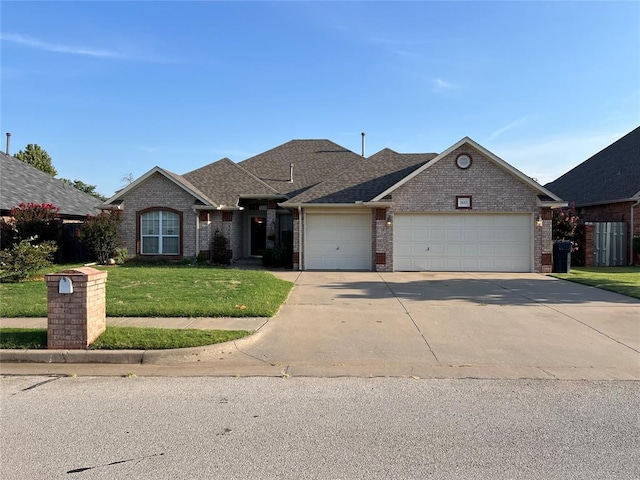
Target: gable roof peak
x=173 y=177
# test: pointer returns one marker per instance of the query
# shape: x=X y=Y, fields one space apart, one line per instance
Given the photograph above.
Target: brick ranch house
x=606 y=186
x=464 y=209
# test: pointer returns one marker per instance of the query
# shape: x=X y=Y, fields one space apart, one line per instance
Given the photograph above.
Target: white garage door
x=462 y=242
x=340 y=241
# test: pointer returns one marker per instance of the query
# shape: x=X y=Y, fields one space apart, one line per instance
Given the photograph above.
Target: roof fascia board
x=485 y=152
x=322 y=205
x=209 y=208
x=542 y=203
x=162 y=172
x=257 y=196
x=635 y=198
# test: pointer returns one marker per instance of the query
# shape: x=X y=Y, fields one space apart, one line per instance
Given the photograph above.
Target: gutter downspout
x=197 y=233
x=632 y=230
x=299 y=238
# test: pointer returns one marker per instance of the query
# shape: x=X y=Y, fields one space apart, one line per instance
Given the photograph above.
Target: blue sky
x=115 y=88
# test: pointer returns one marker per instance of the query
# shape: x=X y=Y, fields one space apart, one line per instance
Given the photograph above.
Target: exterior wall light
x=389 y=219
x=539 y=221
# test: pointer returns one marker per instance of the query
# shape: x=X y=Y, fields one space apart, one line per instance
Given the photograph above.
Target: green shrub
x=277 y=257
x=100 y=234
x=220 y=251
x=121 y=255
x=24 y=260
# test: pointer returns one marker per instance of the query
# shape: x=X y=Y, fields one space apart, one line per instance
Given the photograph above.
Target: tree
x=37 y=222
x=38 y=157
x=85 y=187
x=128 y=178
x=100 y=234
x=566 y=223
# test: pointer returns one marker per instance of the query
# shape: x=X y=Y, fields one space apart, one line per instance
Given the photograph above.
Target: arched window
x=160 y=233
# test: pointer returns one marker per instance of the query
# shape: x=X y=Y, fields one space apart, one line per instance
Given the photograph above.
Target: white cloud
x=56 y=47
x=548 y=158
x=440 y=85
x=514 y=124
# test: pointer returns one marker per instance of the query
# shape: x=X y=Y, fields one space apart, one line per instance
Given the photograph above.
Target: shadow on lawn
x=24 y=338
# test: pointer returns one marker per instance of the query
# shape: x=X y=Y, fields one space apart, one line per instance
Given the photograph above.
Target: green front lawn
x=165 y=291
x=124 y=338
x=624 y=280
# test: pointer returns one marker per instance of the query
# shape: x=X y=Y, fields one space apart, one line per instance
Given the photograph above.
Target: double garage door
x=422 y=242
x=462 y=242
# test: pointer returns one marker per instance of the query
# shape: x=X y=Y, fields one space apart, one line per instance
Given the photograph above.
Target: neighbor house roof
x=225 y=182
x=611 y=174
x=23 y=183
x=313 y=161
x=363 y=180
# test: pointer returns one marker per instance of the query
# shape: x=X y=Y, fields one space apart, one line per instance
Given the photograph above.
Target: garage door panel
x=338 y=241
x=463 y=242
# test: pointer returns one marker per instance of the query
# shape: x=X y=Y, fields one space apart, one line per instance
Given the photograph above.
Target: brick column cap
x=87 y=272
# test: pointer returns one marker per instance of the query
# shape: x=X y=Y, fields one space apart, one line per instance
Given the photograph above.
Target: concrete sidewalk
x=227 y=323
x=429 y=325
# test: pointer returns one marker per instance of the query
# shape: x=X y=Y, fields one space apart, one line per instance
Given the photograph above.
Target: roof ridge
x=244 y=170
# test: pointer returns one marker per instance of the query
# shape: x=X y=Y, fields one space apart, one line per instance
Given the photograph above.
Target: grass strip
x=125 y=338
x=623 y=280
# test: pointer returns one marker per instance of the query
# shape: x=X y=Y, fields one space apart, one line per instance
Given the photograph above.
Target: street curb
x=71 y=356
x=156 y=357
x=147 y=357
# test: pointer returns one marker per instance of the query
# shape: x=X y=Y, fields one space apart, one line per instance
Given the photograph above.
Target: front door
x=258 y=235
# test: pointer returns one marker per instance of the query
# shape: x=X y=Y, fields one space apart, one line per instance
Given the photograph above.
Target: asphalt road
x=337 y=428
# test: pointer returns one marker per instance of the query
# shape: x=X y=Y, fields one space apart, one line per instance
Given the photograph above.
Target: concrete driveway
x=450 y=324
x=427 y=325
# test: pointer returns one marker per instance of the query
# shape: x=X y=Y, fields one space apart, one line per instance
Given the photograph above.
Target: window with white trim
x=160 y=232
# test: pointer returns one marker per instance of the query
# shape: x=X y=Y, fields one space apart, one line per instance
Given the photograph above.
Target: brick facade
x=382 y=241
x=158 y=192
x=493 y=190
x=298 y=234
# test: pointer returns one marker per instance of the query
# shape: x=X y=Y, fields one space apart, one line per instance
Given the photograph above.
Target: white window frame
x=158 y=234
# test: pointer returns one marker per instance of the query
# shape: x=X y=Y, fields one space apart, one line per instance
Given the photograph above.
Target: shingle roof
x=313 y=161
x=611 y=174
x=365 y=179
x=225 y=181
x=21 y=182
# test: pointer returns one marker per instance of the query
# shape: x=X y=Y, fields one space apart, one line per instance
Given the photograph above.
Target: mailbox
x=65 y=285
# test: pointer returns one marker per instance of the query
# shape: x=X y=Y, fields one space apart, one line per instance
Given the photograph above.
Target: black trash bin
x=562 y=256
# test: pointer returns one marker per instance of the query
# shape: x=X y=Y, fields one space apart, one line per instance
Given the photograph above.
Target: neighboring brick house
x=462 y=210
x=606 y=187
x=23 y=183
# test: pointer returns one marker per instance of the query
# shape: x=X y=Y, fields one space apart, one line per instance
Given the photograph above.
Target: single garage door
x=338 y=241
x=462 y=242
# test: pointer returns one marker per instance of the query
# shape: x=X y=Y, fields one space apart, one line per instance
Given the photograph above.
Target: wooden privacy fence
x=606 y=244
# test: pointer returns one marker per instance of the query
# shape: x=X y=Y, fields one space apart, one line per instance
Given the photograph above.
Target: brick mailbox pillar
x=76 y=312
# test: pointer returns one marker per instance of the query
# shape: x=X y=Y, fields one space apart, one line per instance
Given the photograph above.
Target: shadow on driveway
x=472 y=288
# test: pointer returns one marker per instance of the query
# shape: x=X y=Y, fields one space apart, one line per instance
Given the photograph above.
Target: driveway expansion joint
x=412 y=319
